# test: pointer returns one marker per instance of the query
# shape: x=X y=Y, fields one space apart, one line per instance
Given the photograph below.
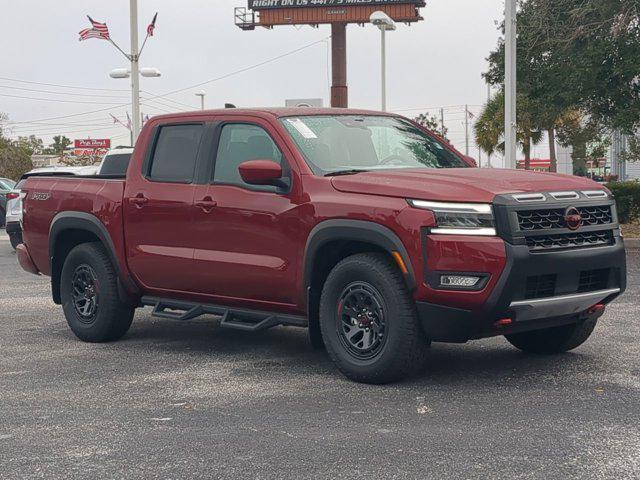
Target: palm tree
x=489 y=128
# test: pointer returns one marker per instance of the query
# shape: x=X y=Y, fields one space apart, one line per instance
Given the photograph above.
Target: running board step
x=239 y=319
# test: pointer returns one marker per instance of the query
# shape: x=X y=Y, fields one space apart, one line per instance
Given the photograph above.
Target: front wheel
x=369 y=322
x=553 y=340
x=89 y=293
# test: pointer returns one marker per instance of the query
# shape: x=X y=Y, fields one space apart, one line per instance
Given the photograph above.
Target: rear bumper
x=510 y=298
x=13 y=227
x=25 y=261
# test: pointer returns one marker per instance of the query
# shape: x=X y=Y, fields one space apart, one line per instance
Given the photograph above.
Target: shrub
x=627 y=200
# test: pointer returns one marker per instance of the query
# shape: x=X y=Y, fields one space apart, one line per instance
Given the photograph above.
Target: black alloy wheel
x=361 y=320
x=86 y=293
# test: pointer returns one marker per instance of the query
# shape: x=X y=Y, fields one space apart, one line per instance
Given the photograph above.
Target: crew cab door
x=158 y=207
x=247 y=237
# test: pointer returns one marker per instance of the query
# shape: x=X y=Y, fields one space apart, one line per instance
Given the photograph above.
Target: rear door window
x=175 y=153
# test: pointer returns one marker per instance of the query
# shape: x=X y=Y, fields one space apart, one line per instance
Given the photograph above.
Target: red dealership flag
x=152 y=25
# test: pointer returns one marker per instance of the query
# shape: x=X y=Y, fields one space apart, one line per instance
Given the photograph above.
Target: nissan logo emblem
x=572 y=218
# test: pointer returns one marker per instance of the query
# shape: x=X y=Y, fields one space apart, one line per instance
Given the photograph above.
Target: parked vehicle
x=361 y=226
x=116 y=161
x=6 y=185
x=14 y=199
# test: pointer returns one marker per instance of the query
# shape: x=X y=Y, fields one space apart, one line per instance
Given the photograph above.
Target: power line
x=63 y=86
x=236 y=72
x=57 y=100
x=62 y=93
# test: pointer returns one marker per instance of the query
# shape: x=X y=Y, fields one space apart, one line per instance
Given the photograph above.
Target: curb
x=632 y=243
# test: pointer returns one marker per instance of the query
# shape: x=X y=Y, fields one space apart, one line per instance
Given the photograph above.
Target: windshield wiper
x=351 y=171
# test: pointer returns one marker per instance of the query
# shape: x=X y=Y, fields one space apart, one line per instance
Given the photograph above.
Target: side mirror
x=262 y=172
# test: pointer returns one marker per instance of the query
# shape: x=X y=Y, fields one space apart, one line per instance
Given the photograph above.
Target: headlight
x=460 y=218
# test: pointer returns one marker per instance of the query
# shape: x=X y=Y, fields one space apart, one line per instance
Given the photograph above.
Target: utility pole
x=466 y=130
x=383 y=66
x=442 y=122
x=510 y=85
x=135 y=74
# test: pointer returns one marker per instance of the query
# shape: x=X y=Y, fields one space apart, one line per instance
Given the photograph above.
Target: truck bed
x=50 y=195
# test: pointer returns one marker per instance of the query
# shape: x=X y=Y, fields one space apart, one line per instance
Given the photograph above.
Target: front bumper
x=511 y=296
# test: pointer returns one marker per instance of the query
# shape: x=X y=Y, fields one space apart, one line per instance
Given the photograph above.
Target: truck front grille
x=553 y=218
x=570 y=240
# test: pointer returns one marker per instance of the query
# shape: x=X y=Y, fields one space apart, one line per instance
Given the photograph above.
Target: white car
x=116 y=161
x=14 y=200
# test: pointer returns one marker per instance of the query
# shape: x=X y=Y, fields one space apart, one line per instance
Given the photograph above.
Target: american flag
x=91 y=33
x=100 y=27
x=152 y=25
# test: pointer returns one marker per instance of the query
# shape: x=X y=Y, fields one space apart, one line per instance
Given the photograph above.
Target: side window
x=240 y=143
x=175 y=153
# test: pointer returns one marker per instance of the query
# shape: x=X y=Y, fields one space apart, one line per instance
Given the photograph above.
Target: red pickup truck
x=362 y=226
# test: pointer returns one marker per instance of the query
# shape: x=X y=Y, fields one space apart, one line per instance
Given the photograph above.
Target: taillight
x=12 y=195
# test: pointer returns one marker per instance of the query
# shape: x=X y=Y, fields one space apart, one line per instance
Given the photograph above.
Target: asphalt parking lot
x=191 y=400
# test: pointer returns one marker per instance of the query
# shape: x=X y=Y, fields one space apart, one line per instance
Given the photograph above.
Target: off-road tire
x=404 y=350
x=553 y=340
x=112 y=317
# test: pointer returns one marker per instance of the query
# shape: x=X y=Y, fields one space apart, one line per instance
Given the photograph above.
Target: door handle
x=207 y=204
x=139 y=200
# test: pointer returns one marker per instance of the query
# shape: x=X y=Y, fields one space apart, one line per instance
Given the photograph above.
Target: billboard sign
x=267 y=4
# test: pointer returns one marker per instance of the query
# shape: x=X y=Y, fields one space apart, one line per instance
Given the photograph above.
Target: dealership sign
x=264 y=4
x=93 y=143
x=86 y=147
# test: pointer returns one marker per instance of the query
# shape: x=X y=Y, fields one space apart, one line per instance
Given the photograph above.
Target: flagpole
x=121 y=51
x=143 y=44
x=135 y=74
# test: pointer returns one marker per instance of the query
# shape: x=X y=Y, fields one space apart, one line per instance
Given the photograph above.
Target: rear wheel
x=89 y=293
x=553 y=340
x=3 y=217
x=369 y=322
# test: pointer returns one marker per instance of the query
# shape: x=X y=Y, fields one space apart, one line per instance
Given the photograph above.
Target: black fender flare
x=356 y=230
x=72 y=220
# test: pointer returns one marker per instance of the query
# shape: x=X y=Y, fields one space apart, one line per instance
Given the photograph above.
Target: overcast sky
x=434 y=63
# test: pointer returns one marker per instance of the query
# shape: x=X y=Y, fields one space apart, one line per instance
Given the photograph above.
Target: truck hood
x=457 y=184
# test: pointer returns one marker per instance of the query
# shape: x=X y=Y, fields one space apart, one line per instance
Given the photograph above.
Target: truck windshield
x=350 y=144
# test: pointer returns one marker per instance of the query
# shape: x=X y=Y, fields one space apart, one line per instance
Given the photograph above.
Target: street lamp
x=201 y=94
x=384 y=22
x=149 y=72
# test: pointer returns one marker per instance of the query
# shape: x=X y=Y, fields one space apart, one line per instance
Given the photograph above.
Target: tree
x=14 y=162
x=577 y=55
x=430 y=122
x=32 y=144
x=489 y=129
x=59 y=145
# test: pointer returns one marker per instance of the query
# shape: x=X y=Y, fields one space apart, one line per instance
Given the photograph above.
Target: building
x=40 y=161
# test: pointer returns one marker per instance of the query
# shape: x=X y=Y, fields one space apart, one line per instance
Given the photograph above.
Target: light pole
x=201 y=94
x=510 y=88
x=120 y=73
x=384 y=23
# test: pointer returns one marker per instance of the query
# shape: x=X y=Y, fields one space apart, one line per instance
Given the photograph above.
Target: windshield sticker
x=301 y=127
